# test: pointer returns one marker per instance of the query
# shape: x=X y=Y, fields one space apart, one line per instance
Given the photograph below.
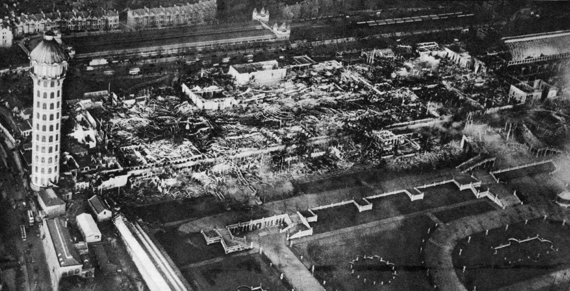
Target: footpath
x=275 y=248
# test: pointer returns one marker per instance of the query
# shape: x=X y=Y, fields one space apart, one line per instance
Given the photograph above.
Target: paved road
x=30 y=252
x=36 y=265
x=216 y=260
x=34 y=270
x=275 y=248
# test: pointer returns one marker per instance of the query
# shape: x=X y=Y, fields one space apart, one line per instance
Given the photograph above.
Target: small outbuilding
x=100 y=208
x=50 y=203
x=88 y=228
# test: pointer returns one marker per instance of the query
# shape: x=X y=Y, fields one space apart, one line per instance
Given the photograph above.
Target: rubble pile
x=320 y=117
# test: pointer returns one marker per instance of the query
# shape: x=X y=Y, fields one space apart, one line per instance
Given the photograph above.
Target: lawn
x=382 y=180
x=13 y=56
x=179 y=209
x=234 y=272
x=514 y=262
x=536 y=188
x=389 y=206
x=479 y=207
x=527 y=171
x=398 y=243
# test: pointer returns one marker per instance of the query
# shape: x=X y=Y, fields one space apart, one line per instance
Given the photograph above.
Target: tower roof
x=48 y=51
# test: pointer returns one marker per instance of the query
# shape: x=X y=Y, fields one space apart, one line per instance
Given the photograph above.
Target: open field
x=165 y=212
x=466 y=210
x=382 y=180
x=12 y=57
x=515 y=262
x=390 y=206
x=398 y=243
x=536 y=188
x=527 y=171
x=186 y=249
x=236 y=271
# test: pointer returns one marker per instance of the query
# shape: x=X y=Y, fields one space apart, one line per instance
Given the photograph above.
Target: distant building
x=371 y=55
x=548 y=91
x=64 y=258
x=209 y=98
x=453 y=52
x=262 y=73
x=387 y=139
x=64 y=190
x=538 y=53
x=302 y=61
x=68 y=21
x=282 y=31
x=91 y=100
x=539 y=90
x=24 y=127
x=26 y=113
x=88 y=228
x=100 y=208
x=262 y=15
x=430 y=48
x=133 y=99
x=50 y=203
x=26 y=155
x=479 y=66
x=97 y=20
x=85 y=129
x=459 y=56
x=328 y=65
x=196 y=13
x=6 y=35
x=523 y=93
x=26 y=24
x=115 y=181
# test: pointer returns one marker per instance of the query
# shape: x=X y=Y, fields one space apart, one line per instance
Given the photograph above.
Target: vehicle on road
x=23 y=232
x=31 y=219
x=134 y=71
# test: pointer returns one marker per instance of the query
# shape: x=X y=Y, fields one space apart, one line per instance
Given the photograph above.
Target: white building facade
x=100 y=208
x=188 y=14
x=62 y=257
x=88 y=228
x=49 y=66
x=262 y=73
x=6 y=35
x=199 y=96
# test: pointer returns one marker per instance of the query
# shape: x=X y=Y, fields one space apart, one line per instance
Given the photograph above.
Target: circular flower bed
x=373 y=270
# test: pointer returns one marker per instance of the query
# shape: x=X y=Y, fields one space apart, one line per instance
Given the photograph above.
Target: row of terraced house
x=16 y=26
x=6 y=35
x=71 y=21
x=196 y=13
